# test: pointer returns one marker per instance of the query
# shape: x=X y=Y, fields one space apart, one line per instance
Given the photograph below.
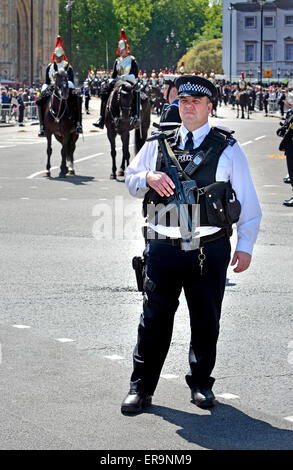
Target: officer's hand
x=242 y=259
x=160 y=182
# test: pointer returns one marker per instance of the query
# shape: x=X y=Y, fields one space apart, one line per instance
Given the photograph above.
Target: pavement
x=69 y=313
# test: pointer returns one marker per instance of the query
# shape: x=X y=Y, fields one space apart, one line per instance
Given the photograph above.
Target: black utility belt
x=177 y=241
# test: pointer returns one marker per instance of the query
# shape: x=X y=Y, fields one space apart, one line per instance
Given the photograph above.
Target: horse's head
x=124 y=92
x=61 y=83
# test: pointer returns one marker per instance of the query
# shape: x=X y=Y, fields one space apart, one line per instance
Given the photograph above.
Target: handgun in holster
x=138 y=264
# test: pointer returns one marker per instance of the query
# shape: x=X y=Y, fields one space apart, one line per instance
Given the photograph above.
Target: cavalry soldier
x=125 y=68
x=59 y=58
x=145 y=78
x=211 y=162
x=161 y=78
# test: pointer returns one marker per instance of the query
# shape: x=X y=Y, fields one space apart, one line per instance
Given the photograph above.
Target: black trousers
x=171 y=269
x=289 y=160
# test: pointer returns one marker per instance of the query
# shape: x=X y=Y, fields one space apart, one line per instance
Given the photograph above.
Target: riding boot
x=41 y=119
x=136 y=120
x=101 y=121
x=78 y=114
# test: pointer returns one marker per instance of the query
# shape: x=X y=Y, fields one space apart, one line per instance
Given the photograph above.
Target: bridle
x=56 y=116
x=121 y=107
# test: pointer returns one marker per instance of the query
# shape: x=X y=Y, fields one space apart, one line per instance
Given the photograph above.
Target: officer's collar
x=197 y=133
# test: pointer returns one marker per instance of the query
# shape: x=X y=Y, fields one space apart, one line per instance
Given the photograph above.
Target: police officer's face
x=194 y=111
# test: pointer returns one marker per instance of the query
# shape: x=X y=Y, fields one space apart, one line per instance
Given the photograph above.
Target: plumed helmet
x=123 y=43
x=59 y=49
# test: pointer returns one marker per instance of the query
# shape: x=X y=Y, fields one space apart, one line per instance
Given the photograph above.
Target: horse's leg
x=49 y=153
x=112 y=136
x=125 y=152
x=64 y=153
x=71 y=149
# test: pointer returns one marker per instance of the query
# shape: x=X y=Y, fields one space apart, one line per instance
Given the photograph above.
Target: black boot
x=41 y=120
x=101 y=121
x=136 y=119
x=78 y=114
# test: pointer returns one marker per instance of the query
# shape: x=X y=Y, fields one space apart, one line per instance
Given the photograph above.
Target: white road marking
x=246 y=143
x=7 y=146
x=65 y=340
x=56 y=167
x=169 y=376
x=63 y=199
x=24 y=198
x=271 y=186
x=261 y=137
x=114 y=357
x=228 y=396
x=289 y=418
x=21 y=327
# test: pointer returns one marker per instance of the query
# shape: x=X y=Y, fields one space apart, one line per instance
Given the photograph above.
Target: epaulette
x=132 y=56
x=227 y=133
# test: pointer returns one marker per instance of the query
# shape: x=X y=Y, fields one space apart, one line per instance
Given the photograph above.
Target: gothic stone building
x=25 y=51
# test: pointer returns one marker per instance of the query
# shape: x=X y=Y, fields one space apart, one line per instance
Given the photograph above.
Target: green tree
x=95 y=29
x=159 y=31
x=212 y=27
x=204 y=57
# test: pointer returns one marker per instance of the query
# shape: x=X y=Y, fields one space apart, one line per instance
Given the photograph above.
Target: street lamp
x=32 y=41
x=177 y=45
x=258 y=72
x=288 y=73
x=261 y=4
x=249 y=73
x=278 y=73
x=231 y=8
x=68 y=8
x=77 y=62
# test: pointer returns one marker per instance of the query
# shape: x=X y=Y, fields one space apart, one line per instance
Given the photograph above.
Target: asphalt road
x=69 y=309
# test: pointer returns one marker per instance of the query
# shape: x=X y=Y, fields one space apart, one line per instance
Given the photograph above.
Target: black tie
x=189 y=143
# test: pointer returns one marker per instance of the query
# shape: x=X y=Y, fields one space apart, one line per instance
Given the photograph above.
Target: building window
x=288 y=20
x=249 y=52
x=250 y=21
x=289 y=51
x=268 y=21
x=268 y=52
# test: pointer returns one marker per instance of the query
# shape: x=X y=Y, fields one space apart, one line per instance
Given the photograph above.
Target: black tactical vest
x=216 y=141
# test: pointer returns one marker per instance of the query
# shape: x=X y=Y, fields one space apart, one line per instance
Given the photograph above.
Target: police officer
x=287 y=145
x=60 y=60
x=201 y=272
x=126 y=68
x=170 y=117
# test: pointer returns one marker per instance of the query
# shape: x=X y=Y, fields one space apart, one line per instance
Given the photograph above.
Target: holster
x=138 y=264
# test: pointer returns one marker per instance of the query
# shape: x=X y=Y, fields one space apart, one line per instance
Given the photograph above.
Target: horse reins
x=56 y=117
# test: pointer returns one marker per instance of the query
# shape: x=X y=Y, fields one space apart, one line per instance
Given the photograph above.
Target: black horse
x=157 y=99
x=58 y=121
x=119 y=120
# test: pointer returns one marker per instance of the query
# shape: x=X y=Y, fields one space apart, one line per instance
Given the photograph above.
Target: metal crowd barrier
x=9 y=113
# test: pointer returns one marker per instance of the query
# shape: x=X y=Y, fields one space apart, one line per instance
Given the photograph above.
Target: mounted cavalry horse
x=58 y=121
x=119 y=120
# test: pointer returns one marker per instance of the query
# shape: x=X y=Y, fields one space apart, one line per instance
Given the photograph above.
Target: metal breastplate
x=124 y=65
x=60 y=66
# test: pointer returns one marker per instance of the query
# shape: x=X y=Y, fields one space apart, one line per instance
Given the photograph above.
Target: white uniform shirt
x=232 y=166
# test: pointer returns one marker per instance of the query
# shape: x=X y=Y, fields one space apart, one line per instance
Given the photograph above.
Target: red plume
x=58 y=43
x=242 y=76
x=124 y=38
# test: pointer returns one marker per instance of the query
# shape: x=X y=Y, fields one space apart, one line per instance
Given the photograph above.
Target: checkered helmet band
x=195 y=88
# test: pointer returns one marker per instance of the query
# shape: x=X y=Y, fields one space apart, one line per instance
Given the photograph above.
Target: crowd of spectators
x=14 y=103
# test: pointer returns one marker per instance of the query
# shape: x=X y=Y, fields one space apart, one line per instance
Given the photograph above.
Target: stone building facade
x=242 y=28
x=25 y=51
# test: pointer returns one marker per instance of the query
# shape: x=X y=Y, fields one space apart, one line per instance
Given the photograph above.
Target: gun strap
x=175 y=161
